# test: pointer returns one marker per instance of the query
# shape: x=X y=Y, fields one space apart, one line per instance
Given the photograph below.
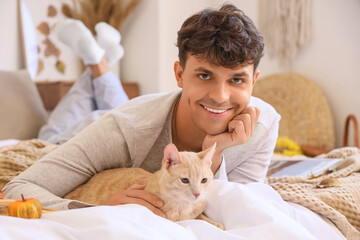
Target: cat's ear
x=208 y=154
x=171 y=155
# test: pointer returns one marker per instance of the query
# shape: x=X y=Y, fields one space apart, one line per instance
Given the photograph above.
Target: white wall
x=10 y=42
x=332 y=60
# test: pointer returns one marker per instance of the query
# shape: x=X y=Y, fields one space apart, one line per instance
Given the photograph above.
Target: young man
x=218 y=55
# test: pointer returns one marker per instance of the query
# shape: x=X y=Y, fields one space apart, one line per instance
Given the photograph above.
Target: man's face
x=213 y=95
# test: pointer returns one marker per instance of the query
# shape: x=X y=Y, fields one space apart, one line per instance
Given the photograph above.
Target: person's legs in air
x=108 y=90
x=97 y=88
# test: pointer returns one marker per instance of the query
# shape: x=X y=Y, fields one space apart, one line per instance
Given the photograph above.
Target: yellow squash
x=25 y=208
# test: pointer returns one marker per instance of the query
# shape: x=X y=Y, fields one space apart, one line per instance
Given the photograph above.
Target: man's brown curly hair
x=226 y=37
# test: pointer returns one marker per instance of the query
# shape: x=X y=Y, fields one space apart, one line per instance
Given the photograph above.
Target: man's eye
x=204 y=76
x=237 y=80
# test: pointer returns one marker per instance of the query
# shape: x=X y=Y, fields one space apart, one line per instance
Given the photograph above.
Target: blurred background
x=330 y=58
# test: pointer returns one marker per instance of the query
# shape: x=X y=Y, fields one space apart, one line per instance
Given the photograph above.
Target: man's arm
x=251 y=163
x=240 y=130
x=247 y=149
x=100 y=146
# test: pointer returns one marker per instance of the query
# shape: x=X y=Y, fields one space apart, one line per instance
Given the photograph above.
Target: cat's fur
x=180 y=200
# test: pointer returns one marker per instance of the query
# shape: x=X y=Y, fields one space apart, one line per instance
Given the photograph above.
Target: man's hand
x=136 y=194
x=240 y=129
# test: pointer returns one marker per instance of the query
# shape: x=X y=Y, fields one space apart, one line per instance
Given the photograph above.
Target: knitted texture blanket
x=15 y=158
x=341 y=204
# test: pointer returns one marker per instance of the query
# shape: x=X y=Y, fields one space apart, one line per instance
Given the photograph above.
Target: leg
x=109 y=39
x=108 y=90
x=76 y=104
x=96 y=89
x=76 y=36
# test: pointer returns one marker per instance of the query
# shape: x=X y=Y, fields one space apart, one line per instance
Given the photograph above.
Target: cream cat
x=182 y=183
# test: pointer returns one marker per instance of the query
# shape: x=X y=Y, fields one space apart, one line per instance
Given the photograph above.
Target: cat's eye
x=204 y=180
x=184 y=180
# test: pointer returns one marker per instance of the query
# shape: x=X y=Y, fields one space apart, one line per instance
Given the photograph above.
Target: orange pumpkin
x=25 y=208
x=1 y=195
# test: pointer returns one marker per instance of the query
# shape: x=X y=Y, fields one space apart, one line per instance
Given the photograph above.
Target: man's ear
x=256 y=75
x=178 y=70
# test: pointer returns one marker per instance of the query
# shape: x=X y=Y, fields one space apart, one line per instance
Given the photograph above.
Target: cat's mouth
x=194 y=197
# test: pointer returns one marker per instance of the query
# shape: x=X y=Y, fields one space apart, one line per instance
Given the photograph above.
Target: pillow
x=21 y=110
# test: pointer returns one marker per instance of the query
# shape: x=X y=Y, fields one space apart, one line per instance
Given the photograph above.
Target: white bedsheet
x=252 y=211
x=7 y=142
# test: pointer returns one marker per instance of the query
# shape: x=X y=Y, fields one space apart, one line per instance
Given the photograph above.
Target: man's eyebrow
x=241 y=74
x=202 y=69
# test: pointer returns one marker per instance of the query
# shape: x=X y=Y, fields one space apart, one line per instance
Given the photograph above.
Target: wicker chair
x=305 y=113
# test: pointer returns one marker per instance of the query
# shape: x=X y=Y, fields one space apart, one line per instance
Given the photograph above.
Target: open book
x=293 y=166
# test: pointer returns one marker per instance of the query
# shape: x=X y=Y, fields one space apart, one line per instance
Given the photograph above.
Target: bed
x=253 y=211
x=282 y=208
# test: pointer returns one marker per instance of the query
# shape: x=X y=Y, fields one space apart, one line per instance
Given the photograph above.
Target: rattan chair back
x=305 y=113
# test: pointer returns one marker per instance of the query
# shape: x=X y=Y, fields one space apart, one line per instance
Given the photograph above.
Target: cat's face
x=187 y=175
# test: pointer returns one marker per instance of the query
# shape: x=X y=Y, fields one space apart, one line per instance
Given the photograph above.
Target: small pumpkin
x=25 y=208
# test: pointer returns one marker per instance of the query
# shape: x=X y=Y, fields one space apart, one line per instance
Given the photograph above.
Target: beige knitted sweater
x=340 y=204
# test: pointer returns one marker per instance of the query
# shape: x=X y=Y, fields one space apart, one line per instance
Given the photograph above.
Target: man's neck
x=185 y=135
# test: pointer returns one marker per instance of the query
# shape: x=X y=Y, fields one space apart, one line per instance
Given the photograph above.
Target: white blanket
x=252 y=211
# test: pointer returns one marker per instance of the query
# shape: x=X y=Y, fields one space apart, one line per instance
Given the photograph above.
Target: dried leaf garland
x=60 y=66
x=50 y=49
x=40 y=67
x=43 y=28
x=66 y=10
x=51 y=11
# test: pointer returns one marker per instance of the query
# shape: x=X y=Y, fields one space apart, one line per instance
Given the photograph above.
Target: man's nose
x=220 y=93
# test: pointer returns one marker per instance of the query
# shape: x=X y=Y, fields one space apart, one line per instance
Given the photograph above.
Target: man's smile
x=216 y=112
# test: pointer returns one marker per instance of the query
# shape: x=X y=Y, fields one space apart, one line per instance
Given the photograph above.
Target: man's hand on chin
x=240 y=129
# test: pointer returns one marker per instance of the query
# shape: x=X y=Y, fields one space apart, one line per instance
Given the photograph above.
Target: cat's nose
x=196 y=195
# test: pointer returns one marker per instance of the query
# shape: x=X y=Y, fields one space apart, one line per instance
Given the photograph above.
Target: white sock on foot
x=75 y=35
x=109 y=39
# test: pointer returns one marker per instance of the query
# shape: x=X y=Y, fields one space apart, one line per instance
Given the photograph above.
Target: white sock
x=109 y=39
x=76 y=35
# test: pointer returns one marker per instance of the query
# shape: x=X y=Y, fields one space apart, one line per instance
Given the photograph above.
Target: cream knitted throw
x=16 y=158
x=340 y=204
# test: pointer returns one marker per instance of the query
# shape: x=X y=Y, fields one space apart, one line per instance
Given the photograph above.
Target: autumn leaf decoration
x=50 y=48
